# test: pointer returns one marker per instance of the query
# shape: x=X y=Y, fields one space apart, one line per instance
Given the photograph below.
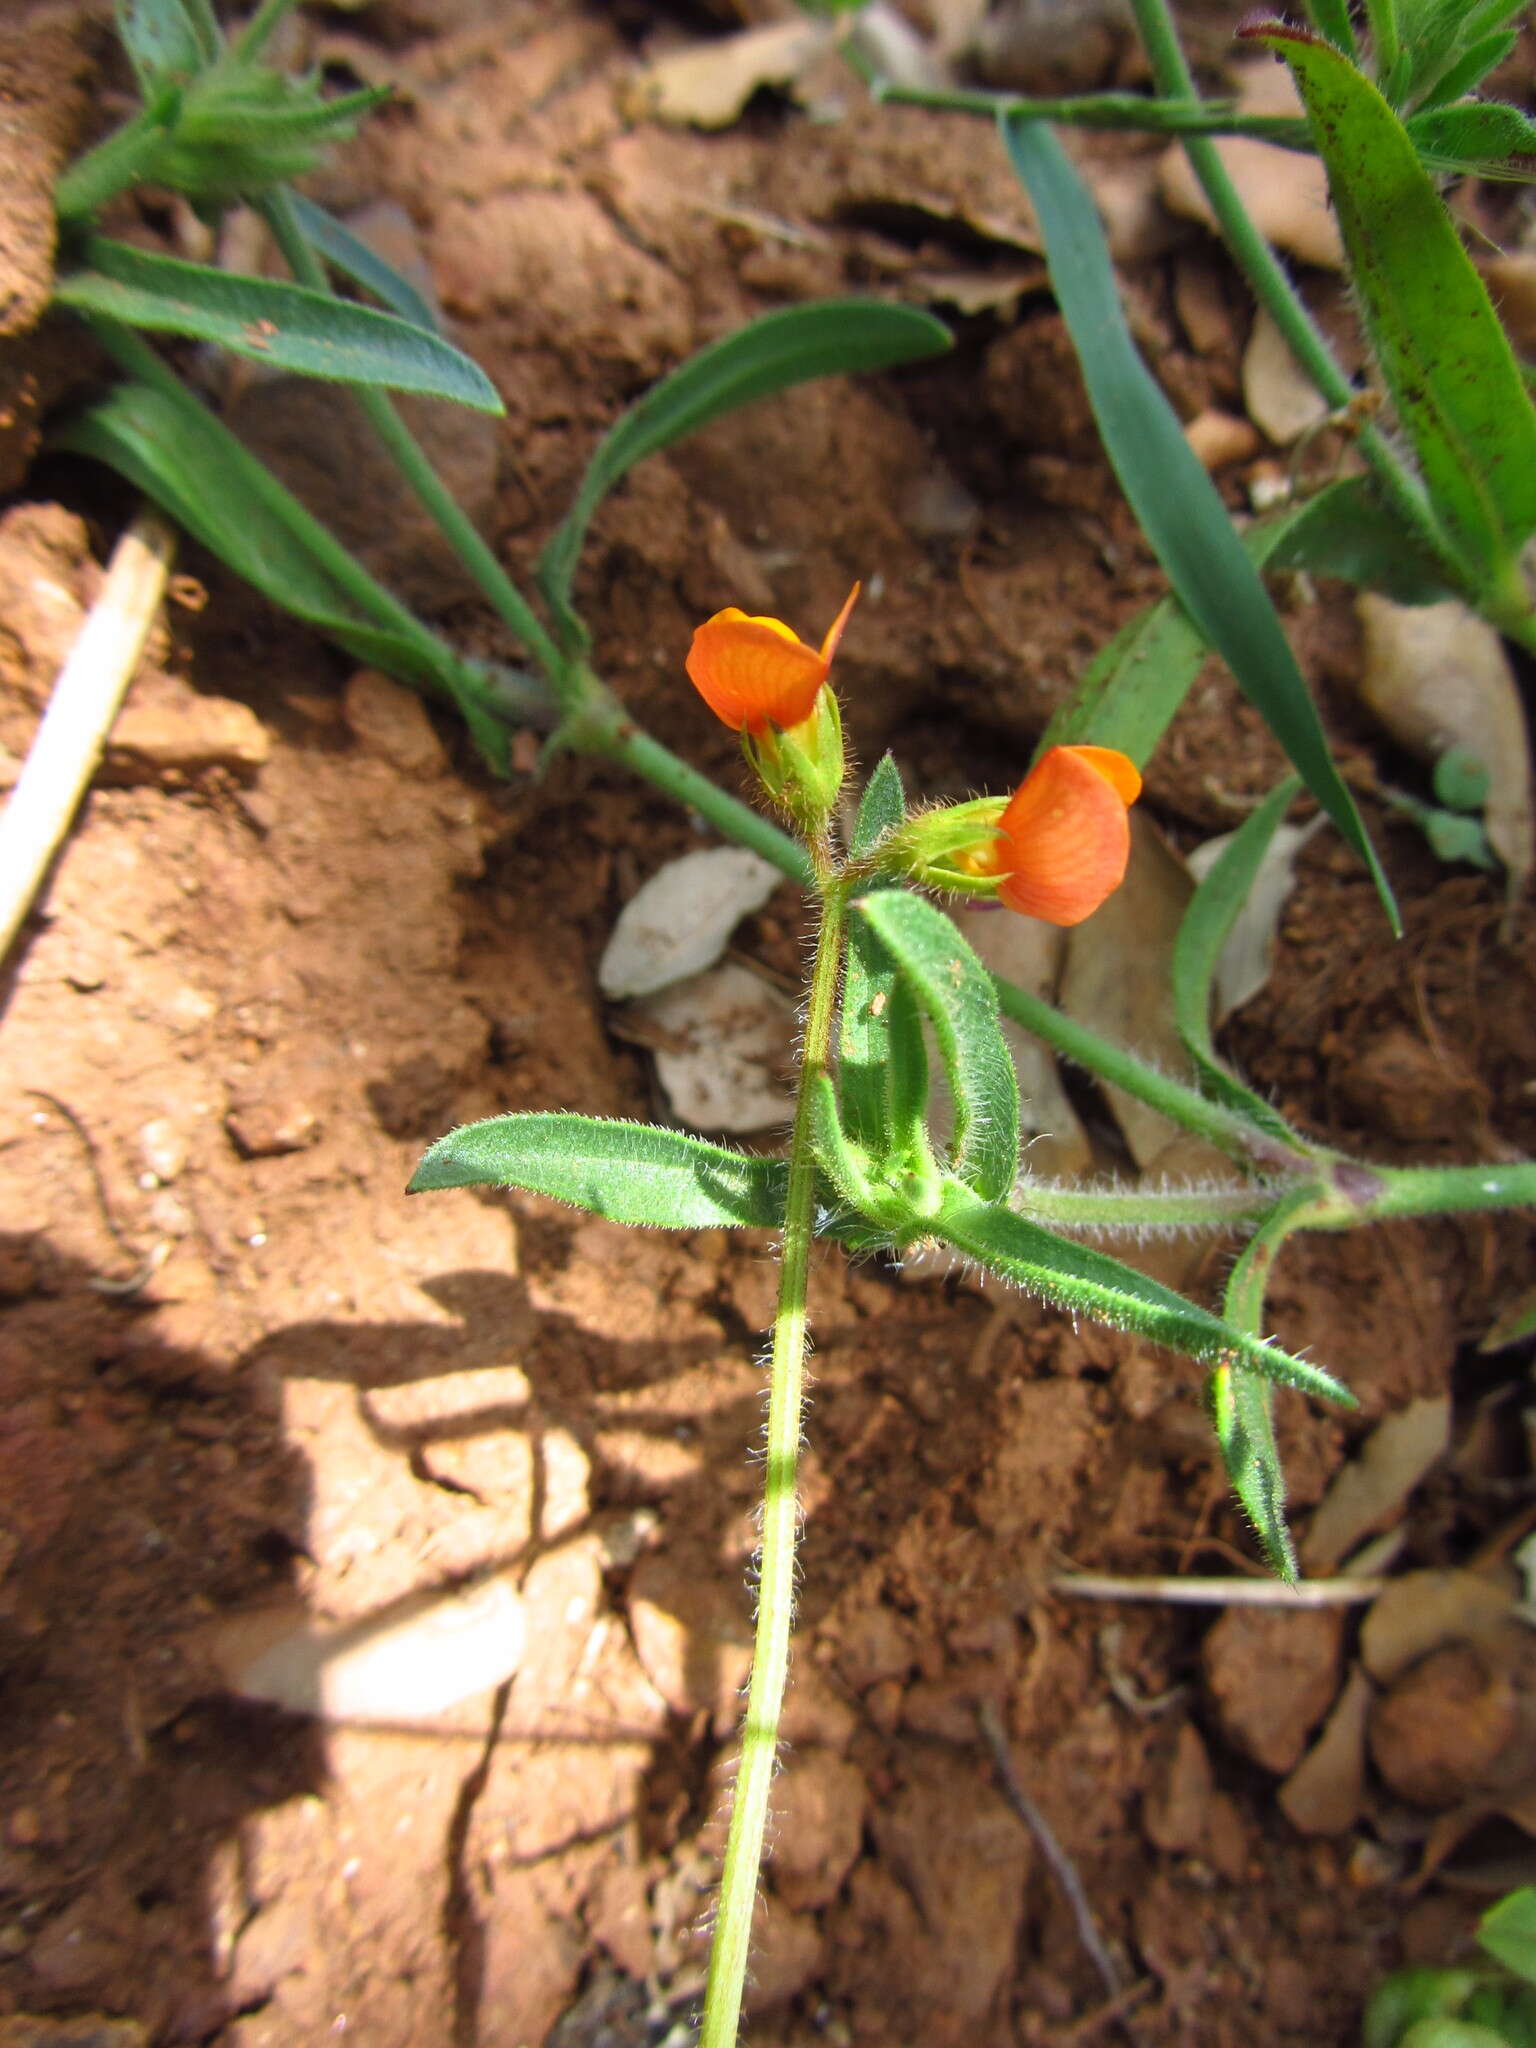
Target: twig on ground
x=1060 y=1863
x=1218 y=1592
x=80 y=712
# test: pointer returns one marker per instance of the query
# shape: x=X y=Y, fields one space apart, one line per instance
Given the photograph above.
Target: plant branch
x=781 y=1508
x=457 y=528
x=1114 y=1209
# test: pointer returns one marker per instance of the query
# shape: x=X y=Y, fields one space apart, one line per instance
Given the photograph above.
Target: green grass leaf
x=1084 y=1281
x=628 y=1172
x=955 y=994
x=1444 y=357
x=284 y=326
x=340 y=248
x=837 y=337
x=1178 y=506
x=164 y=40
x=1197 y=948
x=1508 y=1932
x=188 y=462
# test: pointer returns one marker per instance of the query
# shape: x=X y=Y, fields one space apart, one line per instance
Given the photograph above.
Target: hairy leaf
x=286 y=326
x=955 y=993
x=1241 y=1405
x=628 y=1172
x=1442 y=353
x=1076 y=1277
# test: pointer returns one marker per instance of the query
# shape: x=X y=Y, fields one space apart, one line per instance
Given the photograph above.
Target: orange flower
x=1065 y=837
x=756 y=672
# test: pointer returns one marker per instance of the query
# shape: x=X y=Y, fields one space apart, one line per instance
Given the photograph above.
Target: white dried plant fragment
x=680 y=921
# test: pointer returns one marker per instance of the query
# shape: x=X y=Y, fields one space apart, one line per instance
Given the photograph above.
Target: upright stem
x=1270 y=284
x=452 y=521
x=776 y=1577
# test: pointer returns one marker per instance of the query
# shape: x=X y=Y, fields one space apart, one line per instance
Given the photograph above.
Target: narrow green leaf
x=282 y=325
x=837 y=337
x=630 y=1173
x=845 y=1165
x=1129 y=693
x=1178 y=506
x=1085 y=1281
x=1478 y=138
x=1411 y=1998
x=163 y=40
x=1347 y=530
x=1241 y=1405
x=1443 y=355
x=1508 y=1932
x=882 y=807
x=177 y=453
x=1202 y=933
x=354 y=259
x=1469 y=71
x=1331 y=19
x=882 y=1064
x=955 y=993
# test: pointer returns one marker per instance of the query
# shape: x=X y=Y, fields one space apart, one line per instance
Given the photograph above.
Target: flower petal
x=835 y=630
x=1118 y=769
x=752 y=671
x=1066 y=834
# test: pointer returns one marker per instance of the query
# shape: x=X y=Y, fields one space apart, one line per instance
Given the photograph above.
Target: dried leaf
x=1422 y=1610
x=1438 y=678
x=1281 y=398
x=722 y=1047
x=708 y=84
x=1247 y=959
x=1397 y=1454
x=1325 y=1793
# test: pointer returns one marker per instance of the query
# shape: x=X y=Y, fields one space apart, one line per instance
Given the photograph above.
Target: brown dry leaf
x=1397 y=1454
x=1438 y=677
x=1117 y=977
x=708 y=84
x=1285 y=194
x=721 y=1047
x=1281 y=398
x=1421 y=1610
x=1247 y=958
x=1326 y=1791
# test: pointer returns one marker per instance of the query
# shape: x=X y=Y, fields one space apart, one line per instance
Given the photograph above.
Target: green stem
x=1376 y=1194
x=1174 y=1099
x=776 y=1576
x=457 y=528
x=371 y=600
x=1111 y=110
x=1114 y=1209
x=123 y=159
x=1273 y=288
x=626 y=743
x=1381 y=17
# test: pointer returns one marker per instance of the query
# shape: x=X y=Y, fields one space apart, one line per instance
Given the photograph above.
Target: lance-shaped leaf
x=1508 y=1932
x=955 y=993
x=882 y=808
x=177 y=453
x=1202 y=933
x=1089 y=1282
x=1130 y=691
x=836 y=337
x=628 y=1172
x=1177 y=505
x=286 y=326
x=1241 y=1406
x=882 y=1066
x=337 y=244
x=1442 y=353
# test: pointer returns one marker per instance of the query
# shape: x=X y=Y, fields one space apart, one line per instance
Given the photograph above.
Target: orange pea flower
x=1065 y=837
x=756 y=672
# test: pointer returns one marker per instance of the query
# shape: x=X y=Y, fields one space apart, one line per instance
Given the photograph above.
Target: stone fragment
x=72 y=2030
x=692 y=1632
x=390 y=721
x=1273 y=1676
x=1437 y=1735
x=1177 y=1809
x=787 y=1949
x=167 y=728
x=1218 y=438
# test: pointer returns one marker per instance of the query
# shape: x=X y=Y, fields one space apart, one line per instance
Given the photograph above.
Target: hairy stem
x=1135 y=1209
x=776 y=1577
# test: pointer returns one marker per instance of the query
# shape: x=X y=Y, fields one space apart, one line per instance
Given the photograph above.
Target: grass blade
x=1178 y=506
x=342 y=249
